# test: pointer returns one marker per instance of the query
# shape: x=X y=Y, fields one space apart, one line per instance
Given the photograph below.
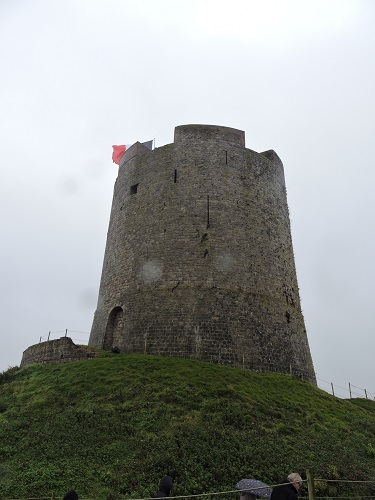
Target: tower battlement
x=187 y=134
x=199 y=259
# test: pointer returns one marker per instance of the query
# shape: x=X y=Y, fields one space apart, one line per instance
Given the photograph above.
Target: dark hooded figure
x=165 y=487
x=71 y=495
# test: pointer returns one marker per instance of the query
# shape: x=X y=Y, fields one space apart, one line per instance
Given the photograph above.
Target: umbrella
x=254 y=487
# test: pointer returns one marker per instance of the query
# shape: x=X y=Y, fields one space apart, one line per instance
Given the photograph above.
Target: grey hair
x=294 y=478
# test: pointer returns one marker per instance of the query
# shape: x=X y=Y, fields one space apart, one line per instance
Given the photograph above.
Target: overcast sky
x=298 y=76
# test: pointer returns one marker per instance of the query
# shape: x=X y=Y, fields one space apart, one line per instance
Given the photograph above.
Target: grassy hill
x=111 y=427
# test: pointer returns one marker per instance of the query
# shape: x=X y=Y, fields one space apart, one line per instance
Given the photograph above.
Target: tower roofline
x=182 y=133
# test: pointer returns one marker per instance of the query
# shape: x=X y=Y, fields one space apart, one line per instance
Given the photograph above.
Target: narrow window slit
x=208 y=211
x=175 y=175
x=134 y=189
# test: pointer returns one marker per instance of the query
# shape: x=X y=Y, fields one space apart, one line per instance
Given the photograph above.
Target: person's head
x=71 y=495
x=295 y=479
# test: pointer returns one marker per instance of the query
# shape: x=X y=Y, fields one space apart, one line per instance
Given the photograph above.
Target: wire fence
x=307 y=493
x=54 y=335
x=351 y=391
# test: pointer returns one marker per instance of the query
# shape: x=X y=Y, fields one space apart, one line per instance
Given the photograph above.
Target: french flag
x=118 y=151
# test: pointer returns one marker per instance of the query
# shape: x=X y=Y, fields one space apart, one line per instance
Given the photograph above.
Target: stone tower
x=199 y=259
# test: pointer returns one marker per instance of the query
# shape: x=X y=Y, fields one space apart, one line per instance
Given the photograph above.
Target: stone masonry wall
x=199 y=259
x=60 y=350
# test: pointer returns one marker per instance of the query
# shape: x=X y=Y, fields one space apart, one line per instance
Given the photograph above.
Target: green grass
x=111 y=427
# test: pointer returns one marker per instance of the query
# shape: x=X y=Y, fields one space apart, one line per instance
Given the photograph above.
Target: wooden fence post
x=310 y=485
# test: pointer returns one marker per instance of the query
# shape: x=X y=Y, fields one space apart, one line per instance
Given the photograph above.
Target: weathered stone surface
x=60 y=350
x=199 y=260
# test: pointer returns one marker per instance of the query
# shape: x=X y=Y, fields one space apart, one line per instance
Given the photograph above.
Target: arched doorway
x=113 y=332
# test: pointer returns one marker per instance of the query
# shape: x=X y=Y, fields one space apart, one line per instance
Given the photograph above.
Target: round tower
x=199 y=260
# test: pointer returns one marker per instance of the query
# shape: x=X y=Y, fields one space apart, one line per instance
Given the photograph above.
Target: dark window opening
x=226 y=157
x=175 y=175
x=134 y=189
x=287 y=315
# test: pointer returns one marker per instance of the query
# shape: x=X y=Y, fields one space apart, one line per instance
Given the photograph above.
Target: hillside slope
x=111 y=427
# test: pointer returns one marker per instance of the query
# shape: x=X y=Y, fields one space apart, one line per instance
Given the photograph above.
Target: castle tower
x=199 y=259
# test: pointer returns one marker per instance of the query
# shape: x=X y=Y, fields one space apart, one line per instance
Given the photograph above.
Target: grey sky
x=298 y=76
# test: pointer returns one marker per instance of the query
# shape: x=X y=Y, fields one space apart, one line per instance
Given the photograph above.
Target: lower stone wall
x=61 y=350
x=225 y=326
